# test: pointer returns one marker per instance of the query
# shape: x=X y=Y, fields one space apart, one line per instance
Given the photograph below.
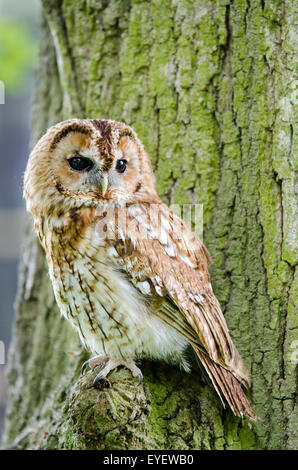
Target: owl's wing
x=166 y=260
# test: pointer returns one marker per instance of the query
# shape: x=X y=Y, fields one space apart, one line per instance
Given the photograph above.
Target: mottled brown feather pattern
x=183 y=283
x=127 y=273
x=105 y=143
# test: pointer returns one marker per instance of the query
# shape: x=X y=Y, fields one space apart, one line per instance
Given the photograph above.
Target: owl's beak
x=104 y=184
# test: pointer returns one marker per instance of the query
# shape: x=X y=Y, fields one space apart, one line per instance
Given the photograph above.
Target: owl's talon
x=113 y=364
x=84 y=367
x=141 y=378
x=97 y=379
x=135 y=370
x=94 y=362
x=110 y=364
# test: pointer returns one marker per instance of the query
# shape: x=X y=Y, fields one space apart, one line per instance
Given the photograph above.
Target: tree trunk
x=208 y=86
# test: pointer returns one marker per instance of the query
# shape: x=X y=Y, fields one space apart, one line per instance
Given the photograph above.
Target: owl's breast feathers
x=166 y=265
x=95 y=295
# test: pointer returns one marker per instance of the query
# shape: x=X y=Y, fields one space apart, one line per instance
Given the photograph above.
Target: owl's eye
x=78 y=163
x=121 y=166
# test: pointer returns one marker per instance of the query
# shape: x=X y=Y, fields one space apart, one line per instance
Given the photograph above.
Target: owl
x=128 y=274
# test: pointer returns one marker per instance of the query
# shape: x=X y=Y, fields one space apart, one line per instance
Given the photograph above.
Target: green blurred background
x=19 y=29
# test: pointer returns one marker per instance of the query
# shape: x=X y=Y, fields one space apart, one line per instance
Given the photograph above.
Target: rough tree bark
x=208 y=86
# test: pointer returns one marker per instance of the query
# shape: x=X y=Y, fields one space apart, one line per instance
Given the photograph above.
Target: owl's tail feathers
x=227 y=387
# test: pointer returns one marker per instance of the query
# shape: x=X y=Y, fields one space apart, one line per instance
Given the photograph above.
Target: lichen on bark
x=209 y=88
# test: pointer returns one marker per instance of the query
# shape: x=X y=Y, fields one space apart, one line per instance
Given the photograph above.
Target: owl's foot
x=94 y=362
x=113 y=364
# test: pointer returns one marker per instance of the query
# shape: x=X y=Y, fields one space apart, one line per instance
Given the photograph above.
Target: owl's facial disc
x=79 y=163
x=88 y=168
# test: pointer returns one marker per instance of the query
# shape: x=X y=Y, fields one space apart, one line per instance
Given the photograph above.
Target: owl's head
x=81 y=162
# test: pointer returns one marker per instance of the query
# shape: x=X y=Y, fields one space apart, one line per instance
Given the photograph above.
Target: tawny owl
x=127 y=273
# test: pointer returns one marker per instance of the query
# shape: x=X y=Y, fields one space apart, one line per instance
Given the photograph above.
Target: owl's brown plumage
x=128 y=274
